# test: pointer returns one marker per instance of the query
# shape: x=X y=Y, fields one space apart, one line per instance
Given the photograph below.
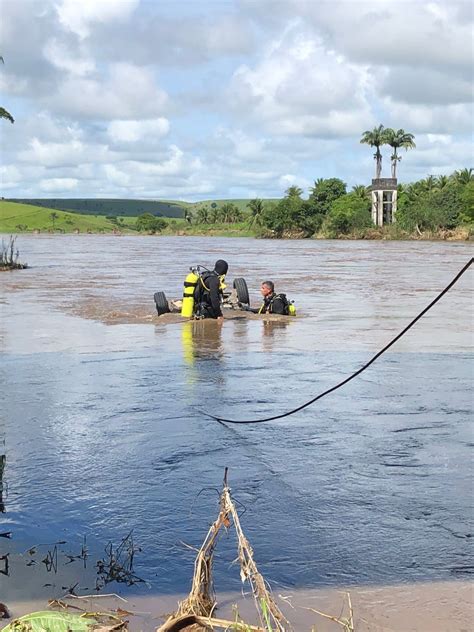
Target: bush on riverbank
x=10 y=255
x=347 y=213
x=150 y=224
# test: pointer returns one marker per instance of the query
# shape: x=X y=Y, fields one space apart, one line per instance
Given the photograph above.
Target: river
x=104 y=431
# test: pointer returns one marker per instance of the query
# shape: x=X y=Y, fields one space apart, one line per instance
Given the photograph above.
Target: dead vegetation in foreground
x=196 y=612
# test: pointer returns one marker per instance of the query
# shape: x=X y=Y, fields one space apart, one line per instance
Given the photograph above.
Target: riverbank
x=423 y=607
x=388 y=233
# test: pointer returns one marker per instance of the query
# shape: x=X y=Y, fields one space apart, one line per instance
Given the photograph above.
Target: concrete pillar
x=374 y=207
x=380 y=208
x=394 y=206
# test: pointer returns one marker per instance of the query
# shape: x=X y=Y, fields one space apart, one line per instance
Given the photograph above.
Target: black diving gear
x=273 y=304
x=209 y=291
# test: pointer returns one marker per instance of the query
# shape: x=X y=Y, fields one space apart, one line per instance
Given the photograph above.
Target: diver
x=273 y=303
x=203 y=292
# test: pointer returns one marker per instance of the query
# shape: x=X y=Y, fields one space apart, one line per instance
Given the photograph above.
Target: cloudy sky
x=202 y=99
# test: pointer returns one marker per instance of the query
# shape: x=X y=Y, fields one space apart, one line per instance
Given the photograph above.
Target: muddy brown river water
x=102 y=425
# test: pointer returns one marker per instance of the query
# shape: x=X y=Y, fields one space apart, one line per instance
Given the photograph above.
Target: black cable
x=359 y=371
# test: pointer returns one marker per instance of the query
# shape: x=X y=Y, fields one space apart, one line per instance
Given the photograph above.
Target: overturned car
x=190 y=306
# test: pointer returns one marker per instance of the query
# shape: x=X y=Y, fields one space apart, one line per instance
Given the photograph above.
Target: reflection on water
x=273 y=334
x=104 y=434
x=201 y=339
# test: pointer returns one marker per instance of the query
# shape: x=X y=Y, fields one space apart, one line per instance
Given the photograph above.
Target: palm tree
x=228 y=212
x=203 y=215
x=429 y=183
x=397 y=139
x=442 y=181
x=237 y=216
x=360 y=191
x=463 y=176
x=294 y=191
x=214 y=214
x=375 y=138
x=4 y=114
x=256 y=212
x=53 y=217
x=402 y=188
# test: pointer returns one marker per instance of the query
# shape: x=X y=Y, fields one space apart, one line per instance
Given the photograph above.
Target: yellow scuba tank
x=190 y=283
x=291 y=309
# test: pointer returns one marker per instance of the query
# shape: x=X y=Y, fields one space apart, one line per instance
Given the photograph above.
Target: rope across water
x=359 y=371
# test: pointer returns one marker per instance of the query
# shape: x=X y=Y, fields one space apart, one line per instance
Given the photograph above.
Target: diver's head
x=267 y=288
x=221 y=267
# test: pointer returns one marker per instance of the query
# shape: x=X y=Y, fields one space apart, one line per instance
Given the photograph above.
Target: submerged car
x=237 y=299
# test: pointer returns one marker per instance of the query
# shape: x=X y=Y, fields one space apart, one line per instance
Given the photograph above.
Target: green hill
x=123 y=207
x=16 y=217
x=106 y=206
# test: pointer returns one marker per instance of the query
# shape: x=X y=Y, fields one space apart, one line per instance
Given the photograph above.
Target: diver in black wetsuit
x=272 y=303
x=208 y=292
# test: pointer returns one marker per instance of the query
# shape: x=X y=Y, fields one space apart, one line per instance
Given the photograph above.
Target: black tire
x=161 y=303
x=242 y=291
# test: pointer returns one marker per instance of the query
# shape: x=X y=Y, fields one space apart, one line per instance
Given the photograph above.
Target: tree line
x=432 y=204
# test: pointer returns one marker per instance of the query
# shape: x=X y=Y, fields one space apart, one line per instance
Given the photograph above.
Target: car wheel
x=161 y=303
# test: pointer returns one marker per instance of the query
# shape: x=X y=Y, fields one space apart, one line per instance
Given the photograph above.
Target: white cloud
x=117 y=176
x=128 y=92
x=10 y=176
x=412 y=85
x=78 y=15
x=439 y=139
x=290 y=179
x=300 y=88
x=434 y=154
x=58 y=54
x=130 y=131
x=69 y=153
x=175 y=164
x=56 y=185
x=435 y=119
x=384 y=32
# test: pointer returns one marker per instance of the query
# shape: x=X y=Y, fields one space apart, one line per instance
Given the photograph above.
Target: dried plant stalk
x=346 y=623
x=206 y=623
x=201 y=600
x=271 y=617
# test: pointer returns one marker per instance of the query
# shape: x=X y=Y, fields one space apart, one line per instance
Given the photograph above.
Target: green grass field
x=16 y=218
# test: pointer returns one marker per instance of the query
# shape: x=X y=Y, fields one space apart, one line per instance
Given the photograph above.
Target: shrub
x=348 y=213
x=432 y=210
x=149 y=223
x=467 y=197
x=324 y=193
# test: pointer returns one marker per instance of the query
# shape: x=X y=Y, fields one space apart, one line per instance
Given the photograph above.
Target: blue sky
x=195 y=100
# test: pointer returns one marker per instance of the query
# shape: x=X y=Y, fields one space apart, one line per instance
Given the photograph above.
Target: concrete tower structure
x=384 y=200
